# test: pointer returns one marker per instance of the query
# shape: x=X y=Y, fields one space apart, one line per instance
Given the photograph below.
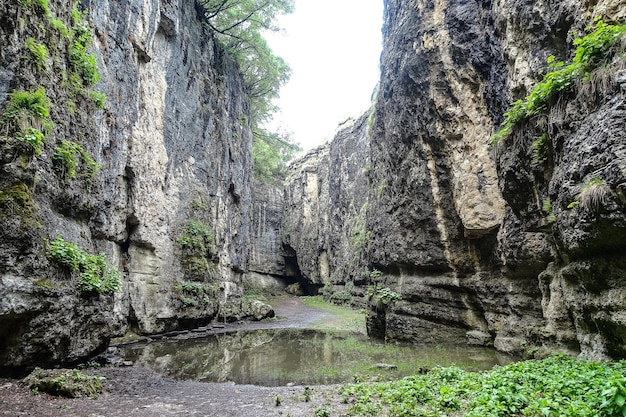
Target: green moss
x=16 y=200
x=44 y=283
x=66 y=383
x=591 y=52
x=95 y=275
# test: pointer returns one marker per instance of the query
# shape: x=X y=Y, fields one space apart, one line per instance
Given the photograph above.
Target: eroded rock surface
x=492 y=245
x=173 y=143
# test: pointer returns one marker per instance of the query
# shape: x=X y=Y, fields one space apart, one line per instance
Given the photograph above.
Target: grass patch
x=341 y=318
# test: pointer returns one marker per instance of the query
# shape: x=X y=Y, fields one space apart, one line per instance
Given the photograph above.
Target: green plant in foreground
x=591 y=52
x=95 y=275
x=556 y=386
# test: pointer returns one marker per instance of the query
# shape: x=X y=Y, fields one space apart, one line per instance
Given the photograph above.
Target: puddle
x=278 y=357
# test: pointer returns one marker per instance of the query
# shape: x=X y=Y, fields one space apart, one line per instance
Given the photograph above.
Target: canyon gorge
x=410 y=211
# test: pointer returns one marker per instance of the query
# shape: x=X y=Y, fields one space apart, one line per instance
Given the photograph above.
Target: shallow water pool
x=278 y=357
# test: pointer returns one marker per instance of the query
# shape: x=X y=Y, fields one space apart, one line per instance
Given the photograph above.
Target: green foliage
x=376 y=274
x=270 y=154
x=197 y=238
x=95 y=275
x=27 y=117
x=98 y=98
x=198 y=246
x=60 y=27
x=70 y=153
x=195 y=294
x=591 y=52
x=41 y=5
x=381 y=298
x=360 y=237
x=82 y=64
x=556 y=386
x=307 y=394
x=38 y=53
x=573 y=204
x=238 y=25
x=547 y=206
x=541 y=149
x=547 y=209
x=34 y=138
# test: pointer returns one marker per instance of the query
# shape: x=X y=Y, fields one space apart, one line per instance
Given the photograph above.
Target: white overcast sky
x=333 y=48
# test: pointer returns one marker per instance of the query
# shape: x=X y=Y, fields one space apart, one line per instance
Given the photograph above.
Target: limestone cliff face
x=173 y=143
x=323 y=223
x=460 y=230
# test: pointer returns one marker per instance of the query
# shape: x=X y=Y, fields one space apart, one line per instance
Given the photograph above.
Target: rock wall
x=173 y=143
x=268 y=268
x=323 y=220
x=460 y=230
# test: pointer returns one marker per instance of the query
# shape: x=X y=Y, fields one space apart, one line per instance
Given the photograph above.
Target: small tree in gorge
x=238 y=25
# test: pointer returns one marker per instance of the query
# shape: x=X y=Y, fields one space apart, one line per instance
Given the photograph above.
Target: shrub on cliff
x=95 y=274
x=592 y=51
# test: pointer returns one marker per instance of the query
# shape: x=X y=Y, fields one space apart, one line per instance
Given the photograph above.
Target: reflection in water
x=280 y=356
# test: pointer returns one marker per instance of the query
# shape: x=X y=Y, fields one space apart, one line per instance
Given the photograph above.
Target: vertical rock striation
x=484 y=244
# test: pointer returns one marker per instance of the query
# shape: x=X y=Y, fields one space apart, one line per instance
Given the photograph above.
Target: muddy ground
x=137 y=391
